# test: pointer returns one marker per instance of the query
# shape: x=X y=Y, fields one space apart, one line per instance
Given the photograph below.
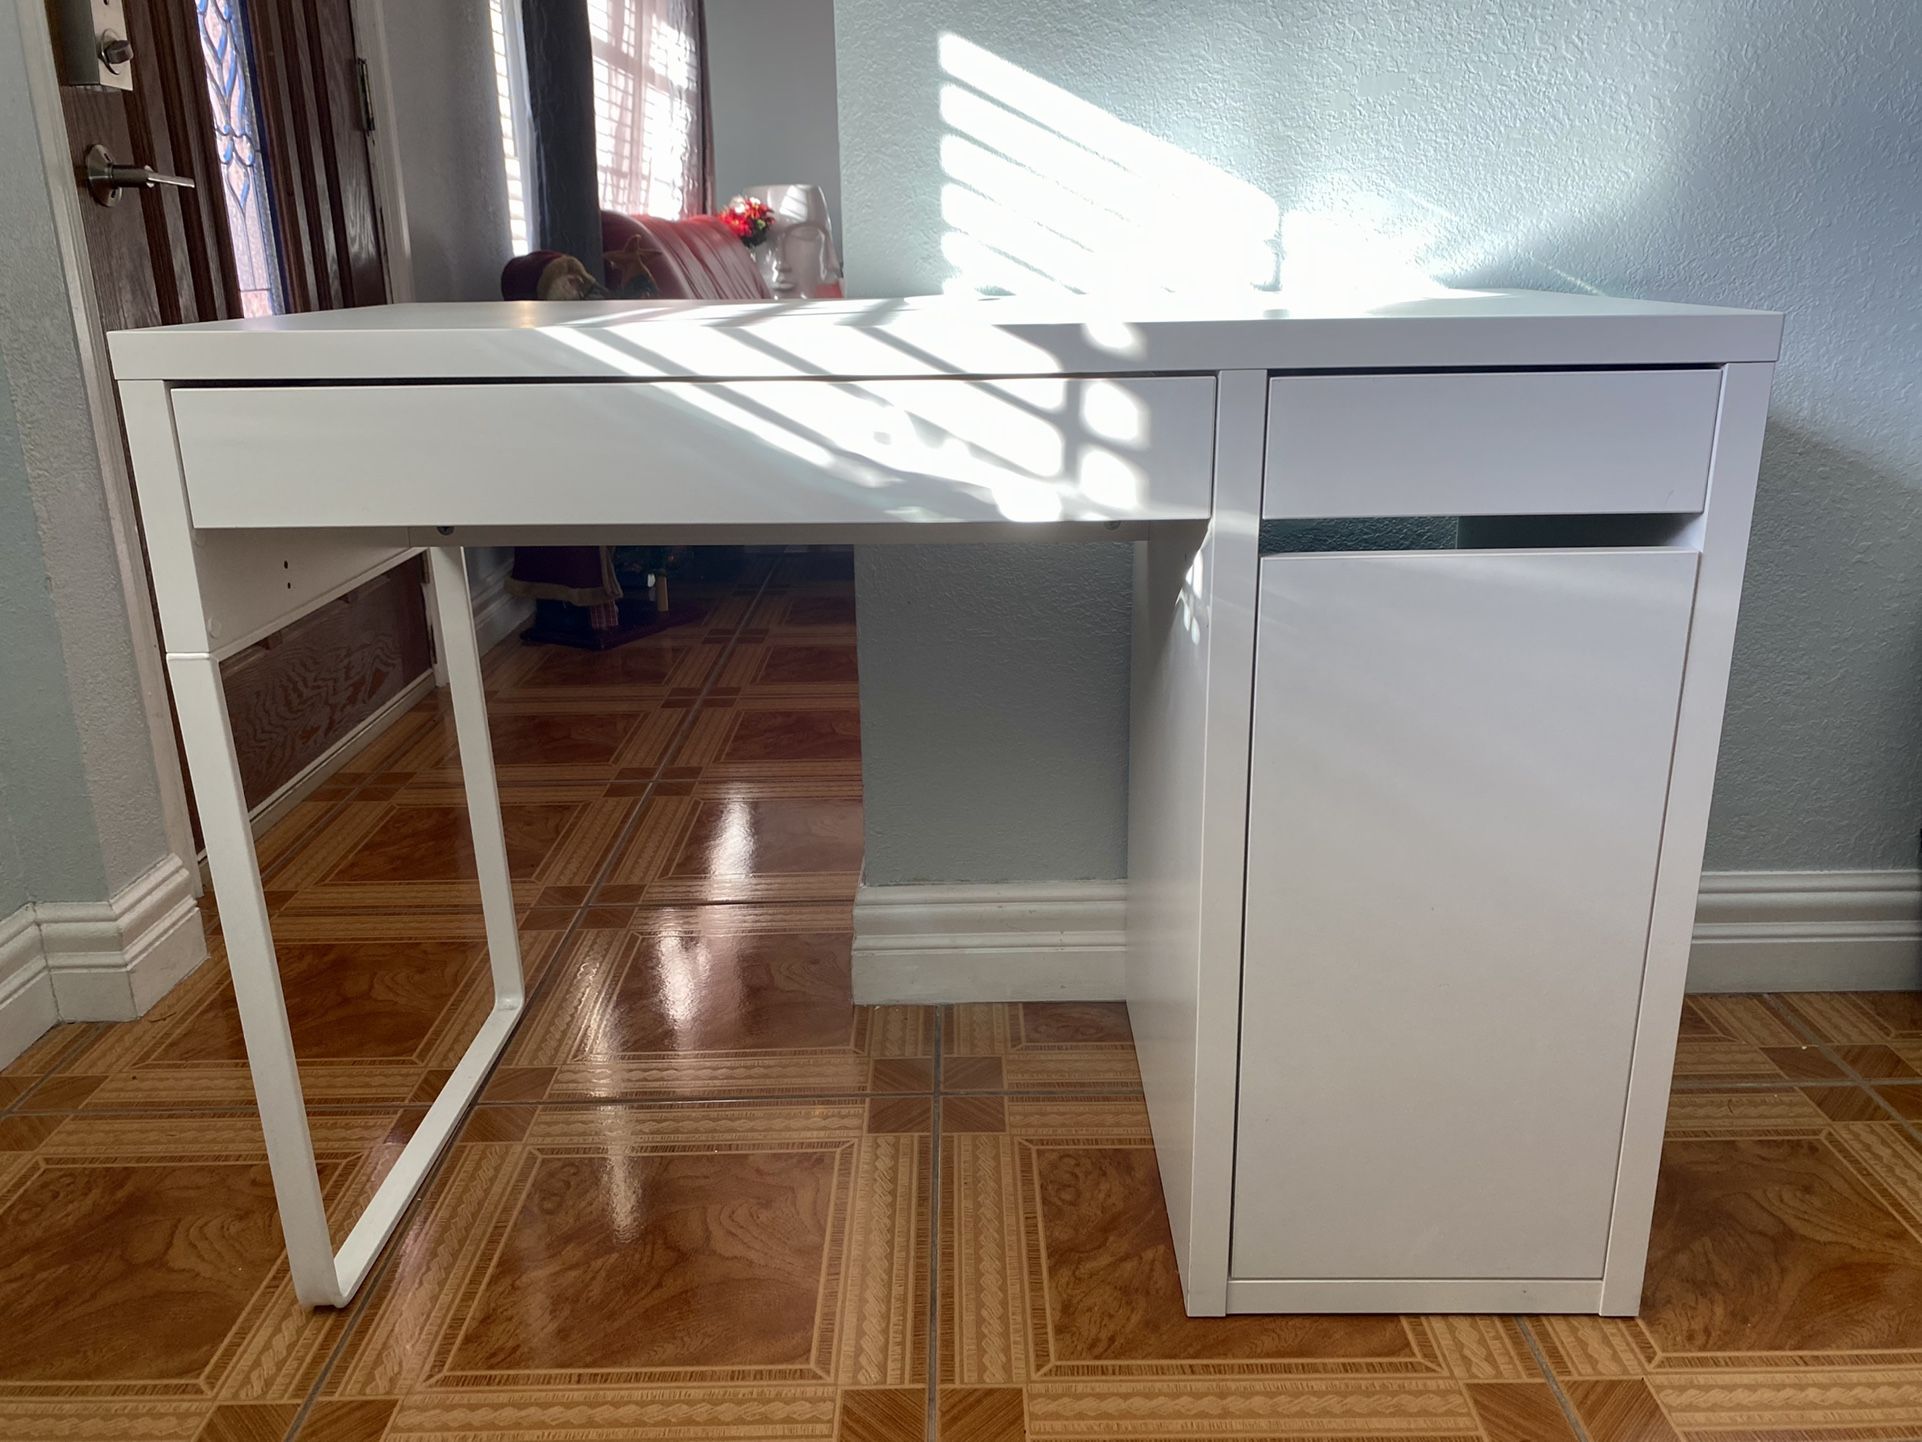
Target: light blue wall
x=13 y=877
x=48 y=821
x=1746 y=152
x=77 y=772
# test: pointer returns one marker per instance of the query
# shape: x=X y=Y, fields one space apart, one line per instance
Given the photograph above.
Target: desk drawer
x=1489 y=443
x=686 y=453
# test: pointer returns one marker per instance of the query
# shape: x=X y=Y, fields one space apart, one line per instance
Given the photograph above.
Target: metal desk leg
x=323 y=1277
x=461 y=653
x=209 y=739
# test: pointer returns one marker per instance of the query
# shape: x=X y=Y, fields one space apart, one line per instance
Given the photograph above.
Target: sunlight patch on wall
x=1044 y=191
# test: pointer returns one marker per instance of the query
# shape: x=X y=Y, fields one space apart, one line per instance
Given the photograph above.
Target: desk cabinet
x=1411 y=889
x=1458 y=773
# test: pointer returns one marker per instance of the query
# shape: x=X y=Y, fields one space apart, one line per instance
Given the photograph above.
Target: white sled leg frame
x=246 y=597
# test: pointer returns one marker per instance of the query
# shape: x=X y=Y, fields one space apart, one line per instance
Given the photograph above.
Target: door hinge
x=366 y=88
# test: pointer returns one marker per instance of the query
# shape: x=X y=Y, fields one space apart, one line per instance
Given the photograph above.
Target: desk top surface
x=933 y=336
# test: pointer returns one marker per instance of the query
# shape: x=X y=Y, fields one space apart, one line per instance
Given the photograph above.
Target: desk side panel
x=1187 y=813
x=1721 y=533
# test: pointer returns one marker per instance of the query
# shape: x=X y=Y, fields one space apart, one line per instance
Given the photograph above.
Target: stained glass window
x=243 y=164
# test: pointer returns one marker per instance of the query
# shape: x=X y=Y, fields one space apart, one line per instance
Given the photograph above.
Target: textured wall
x=771 y=64
x=447 y=113
x=964 y=784
x=76 y=759
x=13 y=873
x=1748 y=152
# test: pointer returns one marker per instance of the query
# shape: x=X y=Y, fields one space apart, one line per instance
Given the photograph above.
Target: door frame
x=103 y=413
x=383 y=154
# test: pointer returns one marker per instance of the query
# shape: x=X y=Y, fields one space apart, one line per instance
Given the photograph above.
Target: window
x=228 y=56
x=647 y=105
x=510 y=90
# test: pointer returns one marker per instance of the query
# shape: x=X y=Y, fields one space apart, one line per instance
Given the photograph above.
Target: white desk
x=1415 y=834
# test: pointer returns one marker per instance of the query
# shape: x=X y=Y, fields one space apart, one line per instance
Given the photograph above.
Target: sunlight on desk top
x=939 y=335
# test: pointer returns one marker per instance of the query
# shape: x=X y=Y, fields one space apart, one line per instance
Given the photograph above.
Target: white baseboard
x=1808 y=931
x=1008 y=941
x=1065 y=940
x=308 y=779
x=498 y=615
x=112 y=960
x=26 y=991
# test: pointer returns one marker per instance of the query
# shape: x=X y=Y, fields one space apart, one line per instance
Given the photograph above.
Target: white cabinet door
x=1460 y=765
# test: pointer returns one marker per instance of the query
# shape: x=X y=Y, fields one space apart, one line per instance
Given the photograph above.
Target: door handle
x=107 y=177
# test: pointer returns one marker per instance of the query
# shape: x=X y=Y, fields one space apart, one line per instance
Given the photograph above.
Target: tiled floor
x=705 y=1198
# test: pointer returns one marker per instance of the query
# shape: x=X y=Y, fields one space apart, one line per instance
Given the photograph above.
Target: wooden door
x=277 y=82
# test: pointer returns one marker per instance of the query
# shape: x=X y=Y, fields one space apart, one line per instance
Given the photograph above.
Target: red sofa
x=576 y=589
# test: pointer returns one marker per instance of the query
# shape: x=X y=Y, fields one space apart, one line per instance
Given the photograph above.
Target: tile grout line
x=1554 y=1382
x=932 y=1428
x=389 y=1250
x=1828 y=1049
x=350 y=1109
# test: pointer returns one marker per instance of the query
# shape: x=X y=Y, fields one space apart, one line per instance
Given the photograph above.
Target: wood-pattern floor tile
x=143 y=1281
x=689 y=1271
x=1058 y=1286
x=1905 y=1100
x=1519 y=1412
x=378 y=1018
x=360 y=1421
x=1730 y=1039
x=883 y=1414
x=1619 y=1410
x=1851 y=1017
x=1784 y=1290
x=1038 y=1047
x=720 y=1001
x=983 y=1414
x=248 y=1422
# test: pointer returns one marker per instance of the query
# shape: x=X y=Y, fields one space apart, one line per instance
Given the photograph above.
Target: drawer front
x=1489 y=444
x=699 y=453
x=1459 y=770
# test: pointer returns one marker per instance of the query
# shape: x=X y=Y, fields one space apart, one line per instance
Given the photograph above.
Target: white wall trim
x=1006 y=941
x=1037 y=941
x=497 y=615
x=26 y=991
x=383 y=149
x=112 y=960
x=1807 y=931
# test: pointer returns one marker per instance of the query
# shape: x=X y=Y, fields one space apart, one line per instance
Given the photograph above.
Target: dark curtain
x=563 y=188
x=703 y=201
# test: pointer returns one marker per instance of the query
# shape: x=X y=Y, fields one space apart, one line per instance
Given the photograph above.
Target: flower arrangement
x=749 y=219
